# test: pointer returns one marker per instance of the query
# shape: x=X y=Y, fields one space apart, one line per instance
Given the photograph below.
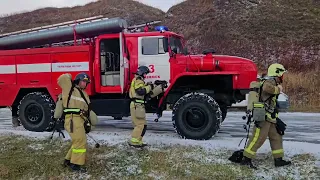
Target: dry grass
x=27 y=158
x=264 y=31
x=303 y=90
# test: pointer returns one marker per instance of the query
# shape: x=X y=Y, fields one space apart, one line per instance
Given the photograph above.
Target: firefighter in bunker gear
x=268 y=93
x=74 y=114
x=139 y=94
x=58 y=112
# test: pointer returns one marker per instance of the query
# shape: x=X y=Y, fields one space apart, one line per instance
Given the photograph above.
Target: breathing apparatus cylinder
x=253 y=95
x=59 y=108
x=254 y=105
x=93 y=118
x=156 y=91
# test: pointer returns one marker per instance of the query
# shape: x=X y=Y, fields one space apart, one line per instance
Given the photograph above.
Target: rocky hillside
x=264 y=31
x=132 y=11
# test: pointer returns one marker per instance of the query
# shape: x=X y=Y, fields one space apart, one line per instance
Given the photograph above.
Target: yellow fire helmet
x=276 y=70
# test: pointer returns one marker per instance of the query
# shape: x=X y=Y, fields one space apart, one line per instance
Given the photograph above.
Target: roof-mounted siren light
x=162 y=29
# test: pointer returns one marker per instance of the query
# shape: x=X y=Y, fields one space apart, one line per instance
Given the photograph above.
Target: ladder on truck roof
x=135 y=28
x=29 y=38
x=72 y=23
x=58 y=25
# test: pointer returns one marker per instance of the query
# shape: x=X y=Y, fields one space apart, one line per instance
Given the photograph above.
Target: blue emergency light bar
x=161 y=28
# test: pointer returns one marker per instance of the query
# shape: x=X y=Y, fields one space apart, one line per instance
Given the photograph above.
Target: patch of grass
x=303 y=90
x=23 y=158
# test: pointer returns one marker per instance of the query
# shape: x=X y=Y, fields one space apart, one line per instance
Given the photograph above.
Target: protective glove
x=87 y=126
x=151 y=85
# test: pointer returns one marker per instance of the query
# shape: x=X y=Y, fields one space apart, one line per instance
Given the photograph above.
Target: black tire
x=204 y=106
x=36 y=112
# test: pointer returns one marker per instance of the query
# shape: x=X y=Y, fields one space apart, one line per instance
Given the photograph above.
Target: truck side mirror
x=175 y=50
x=165 y=45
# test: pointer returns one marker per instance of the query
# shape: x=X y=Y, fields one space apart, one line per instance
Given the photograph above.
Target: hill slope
x=264 y=31
x=132 y=11
x=260 y=30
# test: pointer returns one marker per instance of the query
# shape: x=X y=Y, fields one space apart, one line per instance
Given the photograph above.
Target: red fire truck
x=200 y=87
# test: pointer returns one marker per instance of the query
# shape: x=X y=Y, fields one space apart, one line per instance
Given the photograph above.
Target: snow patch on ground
x=164 y=140
x=214 y=151
x=36 y=146
x=156 y=176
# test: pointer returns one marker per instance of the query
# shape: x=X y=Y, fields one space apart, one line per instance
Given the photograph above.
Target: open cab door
x=111 y=64
x=124 y=64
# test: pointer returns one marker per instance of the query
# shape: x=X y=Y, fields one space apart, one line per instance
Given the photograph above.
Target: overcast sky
x=12 y=6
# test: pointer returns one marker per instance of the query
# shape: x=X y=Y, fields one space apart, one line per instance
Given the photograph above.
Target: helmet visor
x=87 y=80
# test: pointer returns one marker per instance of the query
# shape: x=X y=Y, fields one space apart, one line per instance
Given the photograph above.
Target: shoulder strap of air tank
x=84 y=98
x=260 y=91
x=89 y=105
x=70 y=93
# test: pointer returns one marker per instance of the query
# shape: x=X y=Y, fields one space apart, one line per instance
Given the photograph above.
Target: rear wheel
x=196 y=116
x=36 y=111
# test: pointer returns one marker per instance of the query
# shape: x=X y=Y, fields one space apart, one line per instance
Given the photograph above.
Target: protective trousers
x=77 y=152
x=260 y=134
x=139 y=122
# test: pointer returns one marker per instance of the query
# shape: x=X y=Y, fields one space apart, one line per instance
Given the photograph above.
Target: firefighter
x=76 y=106
x=137 y=93
x=270 y=90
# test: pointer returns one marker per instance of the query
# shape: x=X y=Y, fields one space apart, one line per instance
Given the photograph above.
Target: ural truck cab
x=200 y=87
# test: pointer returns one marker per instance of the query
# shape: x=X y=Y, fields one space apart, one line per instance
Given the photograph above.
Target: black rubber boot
x=279 y=162
x=78 y=168
x=137 y=145
x=248 y=162
x=237 y=156
x=66 y=163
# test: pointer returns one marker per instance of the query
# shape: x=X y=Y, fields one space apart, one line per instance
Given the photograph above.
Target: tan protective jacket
x=269 y=93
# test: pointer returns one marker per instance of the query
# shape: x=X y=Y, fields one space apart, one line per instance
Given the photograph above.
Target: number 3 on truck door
x=151 y=67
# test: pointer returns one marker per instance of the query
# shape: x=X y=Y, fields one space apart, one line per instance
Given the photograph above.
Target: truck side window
x=152 y=46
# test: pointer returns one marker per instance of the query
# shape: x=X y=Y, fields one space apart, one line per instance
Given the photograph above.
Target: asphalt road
x=302 y=127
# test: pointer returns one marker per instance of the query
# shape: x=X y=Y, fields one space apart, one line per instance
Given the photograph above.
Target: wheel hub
x=195 y=118
x=33 y=113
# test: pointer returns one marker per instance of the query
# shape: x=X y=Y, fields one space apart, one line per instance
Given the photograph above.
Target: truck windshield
x=175 y=42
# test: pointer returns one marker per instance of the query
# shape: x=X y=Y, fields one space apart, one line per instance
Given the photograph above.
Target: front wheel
x=36 y=112
x=196 y=116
